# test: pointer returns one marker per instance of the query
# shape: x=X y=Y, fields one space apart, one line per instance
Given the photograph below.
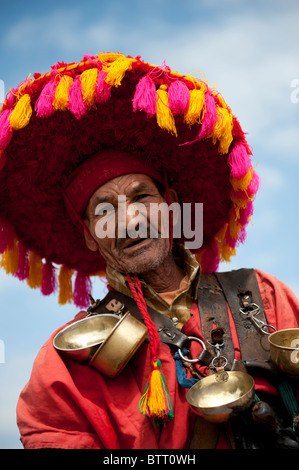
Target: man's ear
x=89 y=240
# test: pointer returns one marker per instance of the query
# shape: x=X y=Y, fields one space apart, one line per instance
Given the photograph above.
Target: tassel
x=89 y=81
x=103 y=90
x=223 y=130
x=209 y=120
x=196 y=107
x=65 y=285
x=23 y=262
x=9 y=259
x=239 y=161
x=76 y=104
x=243 y=183
x=49 y=279
x=35 y=271
x=5 y=130
x=44 y=104
x=145 y=98
x=178 y=97
x=254 y=185
x=61 y=97
x=164 y=115
x=82 y=289
x=117 y=69
x=21 y=114
x=155 y=402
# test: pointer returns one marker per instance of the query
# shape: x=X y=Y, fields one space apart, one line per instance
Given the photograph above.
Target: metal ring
x=219 y=357
x=192 y=338
x=265 y=325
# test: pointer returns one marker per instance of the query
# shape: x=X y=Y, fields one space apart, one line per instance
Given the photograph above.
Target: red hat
x=54 y=123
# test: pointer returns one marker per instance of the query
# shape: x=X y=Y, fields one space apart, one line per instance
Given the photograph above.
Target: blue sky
x=250 y=52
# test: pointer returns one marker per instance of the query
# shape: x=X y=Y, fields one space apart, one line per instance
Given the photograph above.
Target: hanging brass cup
x=105 y=341
x=284 y=351
x=219 y=397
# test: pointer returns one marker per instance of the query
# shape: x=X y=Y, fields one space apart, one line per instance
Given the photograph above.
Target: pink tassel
x=23 y=263
x=6 y=236
x=210 y=117
x=246 y=213
x=44 y=103
x=49 y=279
x=145 y=98
x=5 y=130
x=76 y=104
x=82 y=288
x=103 y=90
x=178 y=97
x=239 y=161
x=253 y=185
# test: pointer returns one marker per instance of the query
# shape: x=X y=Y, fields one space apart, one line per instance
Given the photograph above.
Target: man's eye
x=142 y=196
x=103 y=209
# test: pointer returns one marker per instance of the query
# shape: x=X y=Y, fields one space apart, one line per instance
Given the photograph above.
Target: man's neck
x=166 y=278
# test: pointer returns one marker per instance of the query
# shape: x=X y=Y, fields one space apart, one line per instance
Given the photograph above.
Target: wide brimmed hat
x=52 y=123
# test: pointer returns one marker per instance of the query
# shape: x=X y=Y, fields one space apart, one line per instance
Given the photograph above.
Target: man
x=114 y=133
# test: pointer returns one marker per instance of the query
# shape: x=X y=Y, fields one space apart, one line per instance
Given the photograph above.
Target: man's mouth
x=132 y=245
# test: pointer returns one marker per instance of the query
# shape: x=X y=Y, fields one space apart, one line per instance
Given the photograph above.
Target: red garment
x=70 y=405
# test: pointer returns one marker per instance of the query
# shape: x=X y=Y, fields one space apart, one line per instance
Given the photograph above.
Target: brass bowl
x=81 y=339
x=219 y=397
x=284 y=350
x=121 y=344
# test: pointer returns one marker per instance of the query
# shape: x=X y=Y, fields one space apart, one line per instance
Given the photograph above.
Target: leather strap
x=167 y=332
x=213 y=314
x=238 y=285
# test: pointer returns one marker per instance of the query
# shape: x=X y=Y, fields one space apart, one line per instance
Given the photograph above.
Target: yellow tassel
x=223 y=130
x=164 y=115
x=226 y=253
x=10 y=258
x=117 y=69
x=35 y=271
x=61 y=97
x=21 y=114
x=89 y=81
x=243 y=183
x=196 y=108
x=65 y=285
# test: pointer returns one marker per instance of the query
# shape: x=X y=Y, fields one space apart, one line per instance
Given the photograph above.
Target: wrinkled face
x=119 y=219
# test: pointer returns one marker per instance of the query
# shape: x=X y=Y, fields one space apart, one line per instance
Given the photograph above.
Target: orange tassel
x=35 y=277
x=65 y=285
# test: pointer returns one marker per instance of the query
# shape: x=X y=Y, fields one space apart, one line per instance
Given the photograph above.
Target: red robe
x=73 y=406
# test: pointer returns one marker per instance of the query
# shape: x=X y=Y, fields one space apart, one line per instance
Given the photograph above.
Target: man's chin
x=145 y=259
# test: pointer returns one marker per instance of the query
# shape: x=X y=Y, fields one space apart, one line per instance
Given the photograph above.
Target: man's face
x=124 y=253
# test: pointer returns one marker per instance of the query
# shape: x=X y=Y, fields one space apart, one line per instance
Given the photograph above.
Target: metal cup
x=218 y=397
x=284 y=351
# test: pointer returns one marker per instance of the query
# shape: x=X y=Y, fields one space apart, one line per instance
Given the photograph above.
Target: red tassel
x=103 y=90
x=23 y=263
x=82 y=289
x=49 y=279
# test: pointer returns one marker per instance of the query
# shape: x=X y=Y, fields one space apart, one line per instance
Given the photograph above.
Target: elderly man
x=85 y=147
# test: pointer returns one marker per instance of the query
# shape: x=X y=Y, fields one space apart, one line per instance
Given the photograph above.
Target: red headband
x=98 y=170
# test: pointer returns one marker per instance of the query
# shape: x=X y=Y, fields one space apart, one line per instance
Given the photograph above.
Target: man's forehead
x=131 y=182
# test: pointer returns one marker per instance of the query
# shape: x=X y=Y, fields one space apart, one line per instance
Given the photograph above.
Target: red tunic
x=69 y=405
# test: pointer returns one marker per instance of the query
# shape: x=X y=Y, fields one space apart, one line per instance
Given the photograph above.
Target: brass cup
x=284 y=350
x=81 y=339
x=121 y=344
x=219 y=397
x=105 y=341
